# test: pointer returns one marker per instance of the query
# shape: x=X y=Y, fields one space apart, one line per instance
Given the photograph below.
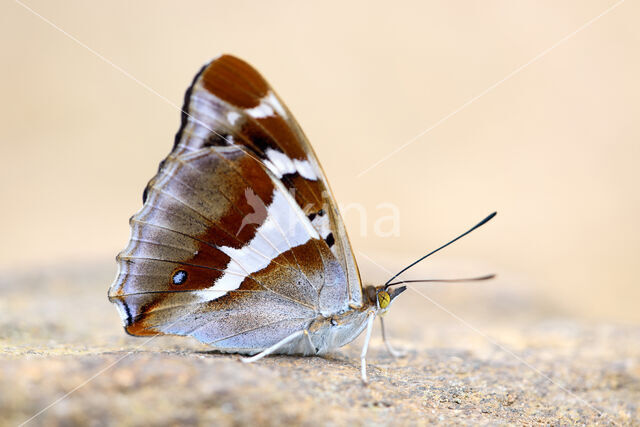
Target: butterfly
x=239 y=242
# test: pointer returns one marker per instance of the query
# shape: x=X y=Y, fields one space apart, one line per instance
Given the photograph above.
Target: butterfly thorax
x=332 y=332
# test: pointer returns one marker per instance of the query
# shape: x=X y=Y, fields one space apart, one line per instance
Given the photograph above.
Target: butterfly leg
x=392 y=351
x=312 y=347
x=274 y=347
x=363 y=361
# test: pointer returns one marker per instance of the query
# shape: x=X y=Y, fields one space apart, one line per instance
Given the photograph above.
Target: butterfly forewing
x=229 y=102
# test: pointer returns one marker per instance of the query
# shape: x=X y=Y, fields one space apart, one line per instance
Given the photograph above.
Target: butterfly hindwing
x=193 y=268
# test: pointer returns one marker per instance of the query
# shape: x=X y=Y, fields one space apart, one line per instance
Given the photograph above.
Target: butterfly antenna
x=470 y=279
x=481 y=223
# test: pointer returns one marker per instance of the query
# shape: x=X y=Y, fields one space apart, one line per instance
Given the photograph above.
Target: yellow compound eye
x=383 y=299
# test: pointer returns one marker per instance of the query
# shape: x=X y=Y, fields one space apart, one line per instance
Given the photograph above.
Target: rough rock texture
x=475 y=356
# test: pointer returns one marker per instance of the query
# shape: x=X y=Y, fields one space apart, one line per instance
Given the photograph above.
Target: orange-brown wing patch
x=234 y=81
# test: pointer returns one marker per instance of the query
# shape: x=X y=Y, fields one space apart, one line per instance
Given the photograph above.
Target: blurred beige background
x=554 y=149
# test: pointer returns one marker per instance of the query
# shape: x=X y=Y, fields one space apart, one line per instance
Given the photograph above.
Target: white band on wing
x=282 y=230
x=280 y=164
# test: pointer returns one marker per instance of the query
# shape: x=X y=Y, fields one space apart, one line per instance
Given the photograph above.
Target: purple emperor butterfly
x=239 y=242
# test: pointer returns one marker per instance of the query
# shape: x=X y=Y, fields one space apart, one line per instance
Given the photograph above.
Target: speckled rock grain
x=512 y=361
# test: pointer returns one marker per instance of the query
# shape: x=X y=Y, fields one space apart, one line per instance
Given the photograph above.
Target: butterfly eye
x=383 y=299
x=179 y=277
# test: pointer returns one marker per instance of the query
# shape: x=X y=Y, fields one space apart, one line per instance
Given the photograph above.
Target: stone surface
x=475 y=356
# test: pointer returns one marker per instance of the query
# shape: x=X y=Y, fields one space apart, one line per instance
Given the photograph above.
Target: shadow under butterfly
x=239 y=242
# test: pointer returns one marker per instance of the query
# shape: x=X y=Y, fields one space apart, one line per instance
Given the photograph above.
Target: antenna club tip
x=484 y=221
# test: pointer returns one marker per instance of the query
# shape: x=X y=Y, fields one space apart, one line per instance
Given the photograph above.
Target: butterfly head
x=381 y=297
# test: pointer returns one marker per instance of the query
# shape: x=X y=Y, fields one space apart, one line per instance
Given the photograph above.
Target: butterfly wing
x=230 y=102
x=235 y=242
x=192 y=268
